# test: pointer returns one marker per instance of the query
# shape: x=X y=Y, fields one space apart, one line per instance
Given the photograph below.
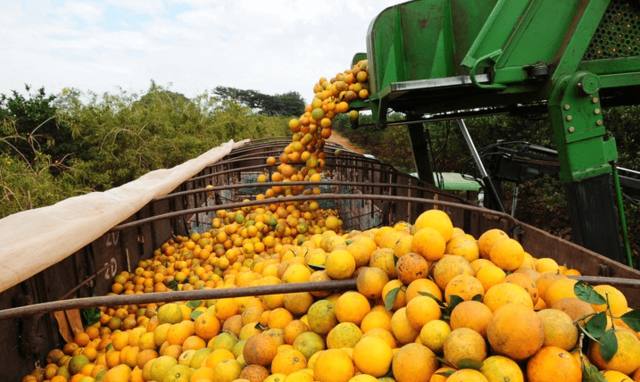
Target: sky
x=191 y=46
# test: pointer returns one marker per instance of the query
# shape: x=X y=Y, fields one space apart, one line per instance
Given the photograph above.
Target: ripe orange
x=435 y=219
x=373 y=356
x=414 y=363
x=488 y=239
x=343 y=335
x=260 y=349
x=370 y=281
x=553 y=364
x=449 y=267
x=411 y=267
x=507 y=254
x=473 y=315
x=421 y=310
x=288 y=361
x=352 y=307
x=428 y=243
x=333 y=365
x=434 y=333
x=515 y=331
x=464 y=345
x=559 y=329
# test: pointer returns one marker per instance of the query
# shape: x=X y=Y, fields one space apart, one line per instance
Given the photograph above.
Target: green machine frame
x=566 y=59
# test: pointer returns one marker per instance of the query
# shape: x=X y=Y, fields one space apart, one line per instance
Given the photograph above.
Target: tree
x=285 y=104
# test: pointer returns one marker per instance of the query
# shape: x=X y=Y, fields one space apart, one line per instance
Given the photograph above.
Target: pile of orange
x=514 y=317
x=432 y=304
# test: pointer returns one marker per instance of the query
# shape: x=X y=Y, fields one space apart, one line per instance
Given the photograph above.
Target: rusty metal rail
x=207 y=294
x=201 y=294
x=300 y=183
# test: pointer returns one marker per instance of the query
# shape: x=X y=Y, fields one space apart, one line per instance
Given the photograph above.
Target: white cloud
x=272 y=46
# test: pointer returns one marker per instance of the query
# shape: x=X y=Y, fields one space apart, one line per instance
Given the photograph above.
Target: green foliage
x=53 y=147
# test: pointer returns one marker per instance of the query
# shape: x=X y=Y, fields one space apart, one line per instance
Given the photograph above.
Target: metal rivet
x=569 y=118
x=571 y=129
x=595 y=99
x=566 y=106
x=599 y=122
x=597 y=111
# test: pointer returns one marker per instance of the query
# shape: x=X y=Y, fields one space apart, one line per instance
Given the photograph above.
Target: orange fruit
x=464 y=345
x=372 y=356
x=260 y=349
x=464 y=286
x=402 y=329
x=526 y=282
x=506 y=293
x=467 y=375
x=437 y=220
x=421 y=310
x=414 y=363
x=463 y=245
x=507 y=254
x=117 y=374
x=428 y=243
x=352 y=307
x=425 y=286
x=626 y=360
x=515 y=331
x=253 y=373
x=207 y=326
x=490 y=276
x=288 y=361
x=193 y=343
x=322 y=317
x=376 y=319
x=617 y=300
x=434 y=333
x=448 y=267
x=411 y=267
x=384 y=259
x=559 y=329
x=384 y=335
x=559 y=289
x=488 y=239
x=340 y=264
x=442 y=374
x=574 y=307
x=343 y=335
x=471 y=314
x=615 y=376
x=333 y=365
x=500 y=369
x=553 y=364
x=400 y=296
x=546 y=264
x=370 y=281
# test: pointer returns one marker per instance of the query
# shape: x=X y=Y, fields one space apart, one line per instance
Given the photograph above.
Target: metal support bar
x=421 y=152
x=200 y=294
x=494 y=196
x=623 y=218
x=586 y=153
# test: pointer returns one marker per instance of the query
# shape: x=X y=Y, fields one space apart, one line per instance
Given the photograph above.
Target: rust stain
x=423 y=23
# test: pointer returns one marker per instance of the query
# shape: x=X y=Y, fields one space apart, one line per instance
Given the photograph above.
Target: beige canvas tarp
x=34 y=240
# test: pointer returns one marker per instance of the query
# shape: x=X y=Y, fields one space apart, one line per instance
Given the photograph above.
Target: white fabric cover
x=33 y=240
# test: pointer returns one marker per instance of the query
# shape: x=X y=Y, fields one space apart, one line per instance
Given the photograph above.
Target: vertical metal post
x=494 y=196
x=421 y=153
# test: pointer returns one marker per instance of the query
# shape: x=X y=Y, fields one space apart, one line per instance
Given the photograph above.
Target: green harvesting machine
x=567 y=60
